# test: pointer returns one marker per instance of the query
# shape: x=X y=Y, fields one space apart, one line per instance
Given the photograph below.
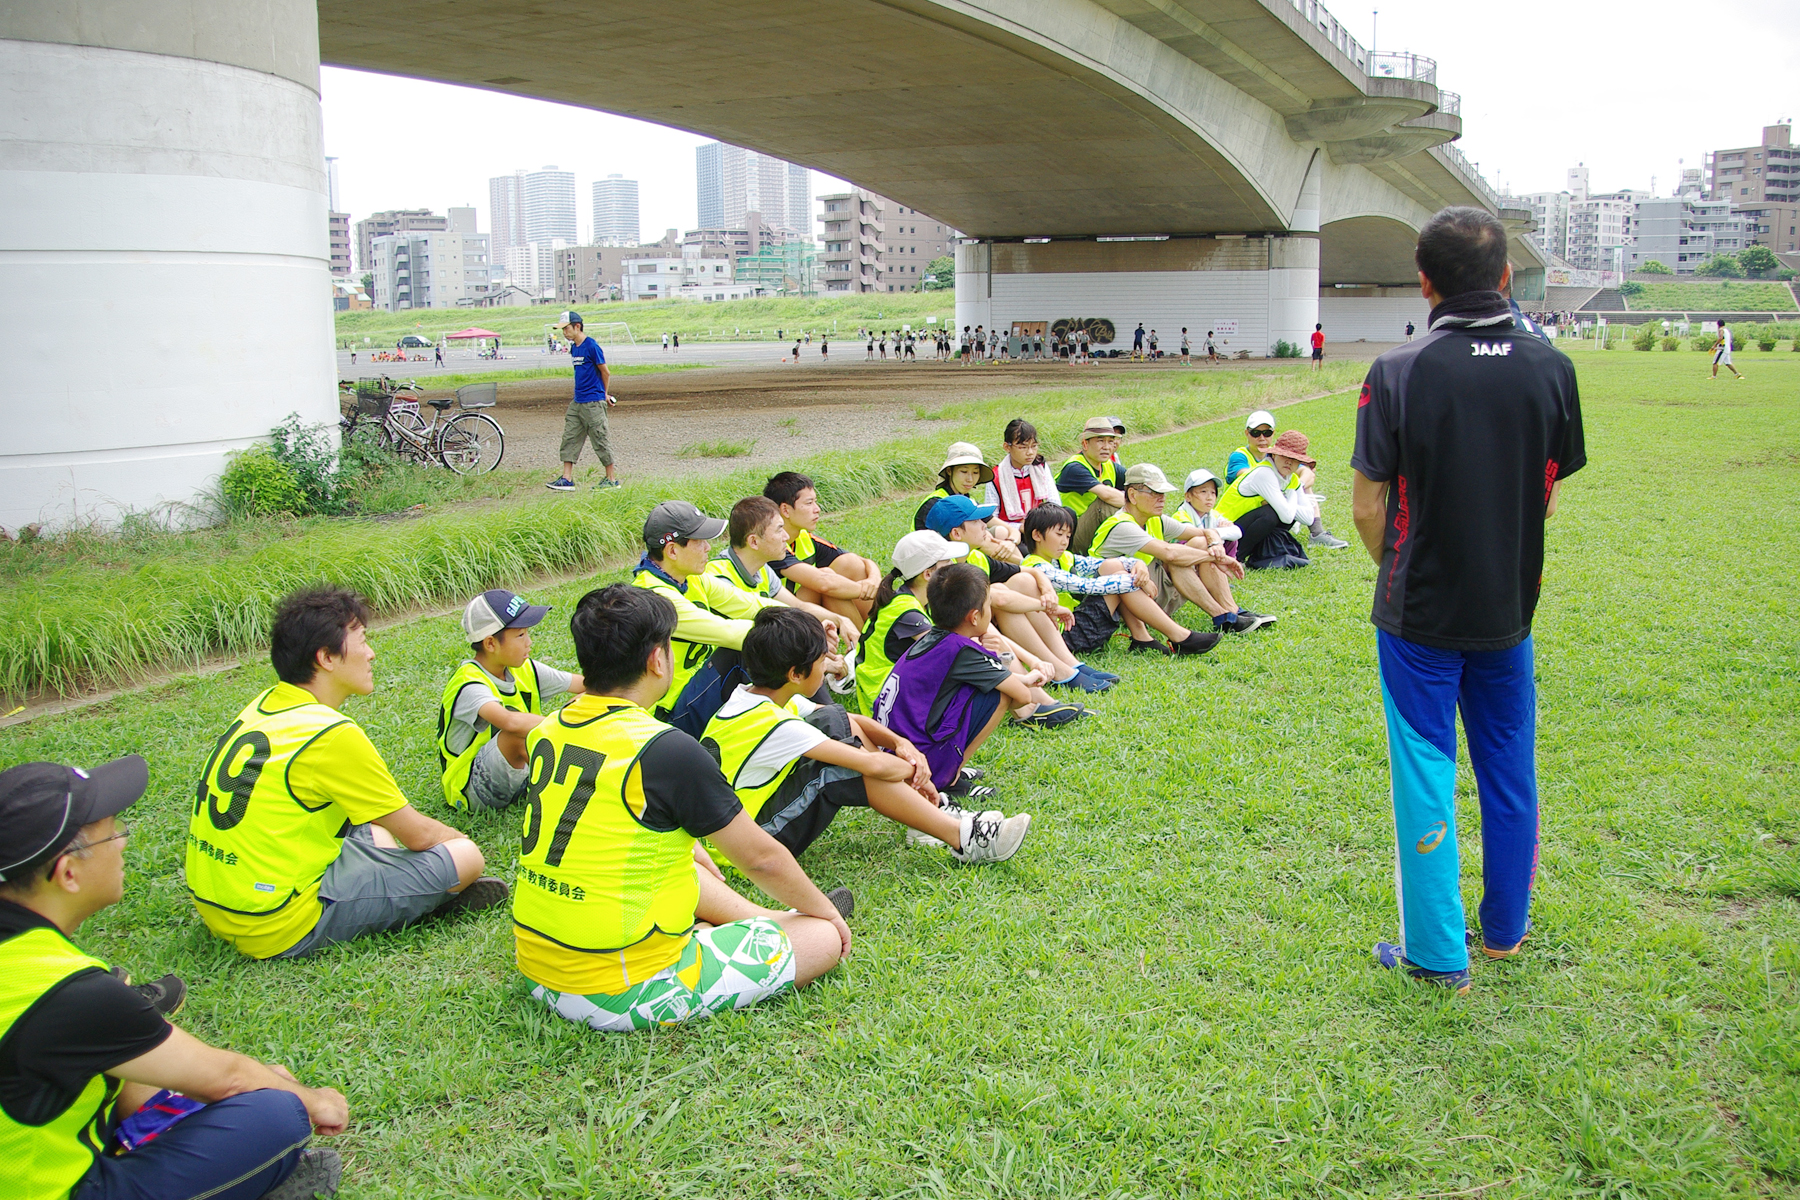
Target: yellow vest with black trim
x=38 y=1162
x=1234 y=502
x=527 y=697
x=737 y=738
x=601 y=902
x=872 y=663
x=801 y=544
x=1249 y=454
x=253 y=848
x=1066 y=561
x=729 y=569
x=1077 y=502
x=1153 y=527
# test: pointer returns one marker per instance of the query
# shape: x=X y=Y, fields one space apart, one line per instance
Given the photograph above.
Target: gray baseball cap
x=673 y=519
x=1149 y=475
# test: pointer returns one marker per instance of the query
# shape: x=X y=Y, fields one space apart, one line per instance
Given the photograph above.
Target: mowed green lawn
x=1169 y=991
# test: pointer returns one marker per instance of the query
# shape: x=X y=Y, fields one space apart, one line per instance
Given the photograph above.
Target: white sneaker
x=991 y=837
x=1329 y=541
x=918 y=837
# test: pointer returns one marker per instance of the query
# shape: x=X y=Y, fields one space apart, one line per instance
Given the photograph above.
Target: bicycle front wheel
x=471 y=444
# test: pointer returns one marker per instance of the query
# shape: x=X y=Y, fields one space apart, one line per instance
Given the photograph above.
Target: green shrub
x=1723 y=266
x=1646 y=335
x=257 y=483
x=1630 y=288
x=1704 y=341
x=1758 y=261
x=1765 y=344
x=1671 y=343
x=1286 y=349
x=1655 y=267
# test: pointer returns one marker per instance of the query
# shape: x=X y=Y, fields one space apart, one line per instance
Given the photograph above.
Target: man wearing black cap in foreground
x=82 y=1052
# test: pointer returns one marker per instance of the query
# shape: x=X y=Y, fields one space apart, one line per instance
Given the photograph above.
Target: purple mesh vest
x=905 y=702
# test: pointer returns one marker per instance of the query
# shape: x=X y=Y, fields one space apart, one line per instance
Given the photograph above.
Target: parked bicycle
x=386 y=414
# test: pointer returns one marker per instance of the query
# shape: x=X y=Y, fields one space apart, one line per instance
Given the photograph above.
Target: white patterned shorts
x=727 y=966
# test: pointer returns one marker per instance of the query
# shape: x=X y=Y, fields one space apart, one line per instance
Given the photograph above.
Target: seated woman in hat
x=962 y=473
x=1269 y=504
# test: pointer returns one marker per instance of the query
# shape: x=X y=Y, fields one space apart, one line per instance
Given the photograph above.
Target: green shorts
x=727 y=966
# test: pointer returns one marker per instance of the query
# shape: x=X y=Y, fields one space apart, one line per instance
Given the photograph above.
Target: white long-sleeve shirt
x=1289 y=506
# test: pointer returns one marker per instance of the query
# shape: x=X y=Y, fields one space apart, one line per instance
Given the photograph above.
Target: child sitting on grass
x=492 y=701
x=794 y=764
x=819 y=572
x=1102 y=591
x=758 y=537
x=1026 y=610
x=1200 y=493
x=962 y=474
x=948 y=692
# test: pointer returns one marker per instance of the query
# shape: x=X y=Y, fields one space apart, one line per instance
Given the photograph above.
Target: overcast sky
x=1628 y=90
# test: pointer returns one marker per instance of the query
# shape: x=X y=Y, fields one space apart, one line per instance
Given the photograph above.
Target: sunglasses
x=1264 y=432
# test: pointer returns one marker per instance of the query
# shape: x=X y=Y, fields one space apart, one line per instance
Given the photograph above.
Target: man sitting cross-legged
x=794 y=763
x=85 y=1058
x=759 y=537
x=299 y=835
x=1187 y=562
x=1103 y=591
x=1027 y=611
x=819 y=572
x=620 y=920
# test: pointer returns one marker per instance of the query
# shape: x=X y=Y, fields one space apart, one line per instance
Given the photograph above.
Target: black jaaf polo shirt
x=1469 y=427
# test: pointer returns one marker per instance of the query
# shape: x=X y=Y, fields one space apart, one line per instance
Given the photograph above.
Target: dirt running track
x=781 y=411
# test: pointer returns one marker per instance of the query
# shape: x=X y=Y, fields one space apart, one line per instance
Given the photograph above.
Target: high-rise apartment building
x=339 y=226
x=396 y=220
x=431 y=270
x=1551 y=210
x=616 y=211
x=1763 y=182
x=731 y=181
x=506 y=215
x=548 y=198
x=873 y=244
x=1599 y=226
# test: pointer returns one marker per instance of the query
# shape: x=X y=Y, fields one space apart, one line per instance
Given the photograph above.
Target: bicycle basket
x=477 y=395
x=372 y=400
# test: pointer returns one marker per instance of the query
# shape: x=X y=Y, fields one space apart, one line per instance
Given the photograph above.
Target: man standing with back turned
x=1463 y=439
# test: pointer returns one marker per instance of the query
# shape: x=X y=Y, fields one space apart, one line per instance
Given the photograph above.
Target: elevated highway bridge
x=1244 y=163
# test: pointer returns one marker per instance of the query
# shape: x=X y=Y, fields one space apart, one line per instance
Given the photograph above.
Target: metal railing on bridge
x=1449 y=102
x=1321 y=19
x=1405 y=65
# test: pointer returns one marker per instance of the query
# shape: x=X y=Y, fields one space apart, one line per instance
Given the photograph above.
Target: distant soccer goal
x=601 y=328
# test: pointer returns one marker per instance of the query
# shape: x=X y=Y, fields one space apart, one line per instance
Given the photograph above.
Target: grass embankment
x=740 y=320
x=1168 y=992
x=89 y=610
x=1722 y=296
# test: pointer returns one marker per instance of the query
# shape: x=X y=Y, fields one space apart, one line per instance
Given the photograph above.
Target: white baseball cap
x=923 y=548
x=1260 y=417
x=1200 y=475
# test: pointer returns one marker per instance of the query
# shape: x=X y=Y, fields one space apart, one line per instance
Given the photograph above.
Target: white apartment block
x=616 y=211
x=532 y=266
x=431 y=270
x=665 y=278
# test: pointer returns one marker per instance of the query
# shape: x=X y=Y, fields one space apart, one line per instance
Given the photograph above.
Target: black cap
x=44 y=805
x=673 y=519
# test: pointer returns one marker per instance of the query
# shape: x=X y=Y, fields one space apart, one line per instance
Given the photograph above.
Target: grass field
x=1169 y=991
x=747 y=320
x=1720 y=296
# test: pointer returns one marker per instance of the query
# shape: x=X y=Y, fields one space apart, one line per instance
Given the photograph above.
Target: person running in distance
x=1722 y=353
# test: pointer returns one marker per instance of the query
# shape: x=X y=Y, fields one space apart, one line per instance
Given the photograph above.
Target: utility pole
x=1374 y=28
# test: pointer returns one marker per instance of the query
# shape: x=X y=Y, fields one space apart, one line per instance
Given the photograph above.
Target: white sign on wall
x=1225 y=328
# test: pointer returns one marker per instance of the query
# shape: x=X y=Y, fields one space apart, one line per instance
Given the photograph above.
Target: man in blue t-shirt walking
x=586 y=418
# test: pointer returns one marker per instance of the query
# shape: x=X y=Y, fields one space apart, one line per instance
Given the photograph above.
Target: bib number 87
x=231 y=773
x=544 y=769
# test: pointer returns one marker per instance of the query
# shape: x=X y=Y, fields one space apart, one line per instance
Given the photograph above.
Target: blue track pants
x=236 y=1149
x=1421 y=690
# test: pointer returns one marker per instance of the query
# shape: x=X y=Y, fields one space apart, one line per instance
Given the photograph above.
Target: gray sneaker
x=317 y=1174
x=991 y=837
x=1328 y=541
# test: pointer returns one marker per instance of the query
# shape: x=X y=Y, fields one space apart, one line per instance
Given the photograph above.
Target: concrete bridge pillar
x=1294 y=268
x=974 y=286
x=164 y=278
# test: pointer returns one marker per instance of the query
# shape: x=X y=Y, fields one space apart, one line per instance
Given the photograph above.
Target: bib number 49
x=230 y=776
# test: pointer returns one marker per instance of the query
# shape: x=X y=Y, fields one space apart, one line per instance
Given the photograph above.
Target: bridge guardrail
x=1404 y=65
